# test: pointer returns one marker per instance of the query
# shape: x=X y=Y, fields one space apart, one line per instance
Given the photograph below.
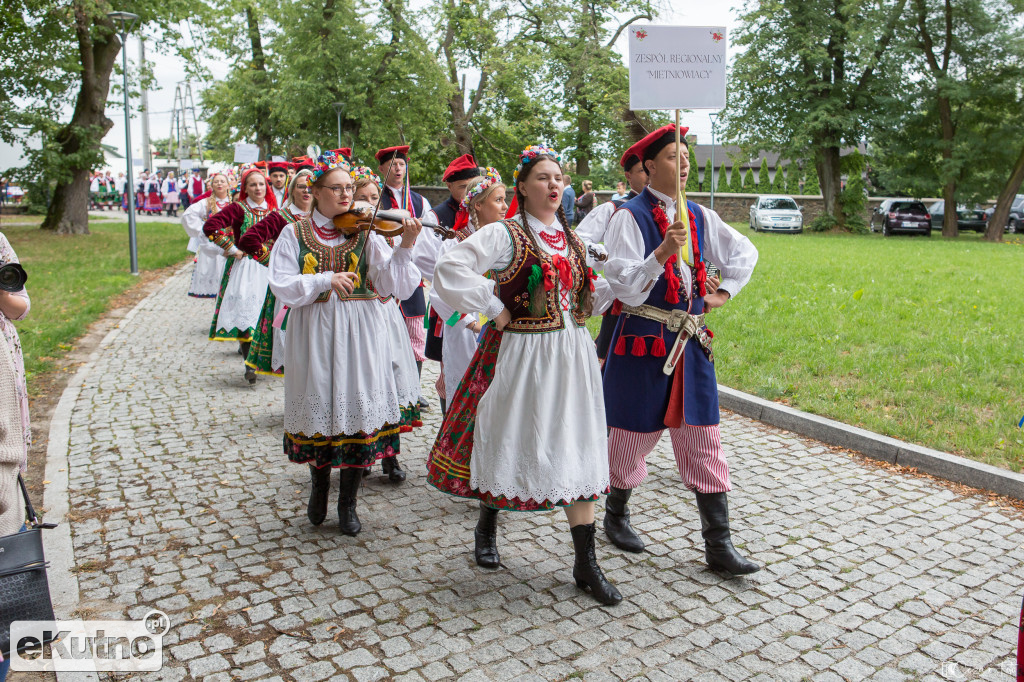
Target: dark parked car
x=901 y=215
x=966 y=218
x=1015 y=223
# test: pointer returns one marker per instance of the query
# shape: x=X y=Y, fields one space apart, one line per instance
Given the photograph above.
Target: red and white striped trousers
x=697 y=449
x=417 y=336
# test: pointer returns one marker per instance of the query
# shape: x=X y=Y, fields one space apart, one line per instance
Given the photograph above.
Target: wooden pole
x=682 y=213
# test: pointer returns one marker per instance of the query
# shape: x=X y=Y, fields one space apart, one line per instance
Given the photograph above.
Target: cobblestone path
x=182 y=501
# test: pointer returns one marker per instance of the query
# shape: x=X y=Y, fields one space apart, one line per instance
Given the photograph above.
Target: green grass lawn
x=920 y=339
x=72 y=278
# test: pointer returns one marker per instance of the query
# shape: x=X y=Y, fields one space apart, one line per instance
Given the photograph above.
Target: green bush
x=779 y=183
x=811 y=186
x=735 y=180
x=853 y=200
x=748 y=182
x=705 y=185
x=692 y=181
x=723 y=180
x=793 y=181
x=764 y=181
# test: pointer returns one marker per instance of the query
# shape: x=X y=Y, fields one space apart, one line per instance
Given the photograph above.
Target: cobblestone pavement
x=182 y=501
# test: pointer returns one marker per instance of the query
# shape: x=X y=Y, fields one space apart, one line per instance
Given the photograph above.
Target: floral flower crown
x=490 y=179
x=325 y=162
x=365 y=173
x=531 y=153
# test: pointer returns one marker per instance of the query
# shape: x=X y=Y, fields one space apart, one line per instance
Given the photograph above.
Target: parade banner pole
x=682 y=212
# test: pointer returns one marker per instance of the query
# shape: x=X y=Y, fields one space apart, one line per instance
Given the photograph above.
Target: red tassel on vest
x=639 y=346
x=620 y=345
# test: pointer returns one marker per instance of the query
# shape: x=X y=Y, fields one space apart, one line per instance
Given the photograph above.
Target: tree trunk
x=826 y=163
x=264 y=138
x=68 y=212
x=1000 y=216
x=949 y=227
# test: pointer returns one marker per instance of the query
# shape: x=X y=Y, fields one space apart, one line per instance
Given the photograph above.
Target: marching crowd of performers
x=536 y=416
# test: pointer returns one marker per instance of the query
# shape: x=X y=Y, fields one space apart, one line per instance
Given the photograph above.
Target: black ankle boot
x=586 y=572
x=393 y=469
x=718 y=550
x=250 y=375
x=486 y=535
x=316 y=510
x=348 y=521
x=616 y=521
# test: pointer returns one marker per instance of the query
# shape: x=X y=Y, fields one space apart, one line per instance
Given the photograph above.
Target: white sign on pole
x=676 y=67
x=185 y=164
x=278 y=158
x=247 y=153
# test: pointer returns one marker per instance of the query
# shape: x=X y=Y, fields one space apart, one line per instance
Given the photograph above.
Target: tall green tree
x=807 y=78
x=708 y=181
x=57 y=51
x=585 y=75
x=723 y=180
x=957 y=126
x=692 y=180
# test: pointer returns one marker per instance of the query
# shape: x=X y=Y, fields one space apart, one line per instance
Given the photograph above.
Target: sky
x=168 y=73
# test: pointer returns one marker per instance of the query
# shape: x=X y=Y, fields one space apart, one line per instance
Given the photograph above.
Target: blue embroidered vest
x=636 y=391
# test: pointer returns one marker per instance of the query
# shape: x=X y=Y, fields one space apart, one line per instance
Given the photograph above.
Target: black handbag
x=24 y=591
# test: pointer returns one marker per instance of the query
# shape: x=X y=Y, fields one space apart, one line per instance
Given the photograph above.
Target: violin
x=386 y=222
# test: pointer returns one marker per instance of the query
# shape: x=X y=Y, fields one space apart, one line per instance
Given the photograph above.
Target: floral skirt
x=448 y=466
x=343 y=450
x=410 y=417
x=261 y=350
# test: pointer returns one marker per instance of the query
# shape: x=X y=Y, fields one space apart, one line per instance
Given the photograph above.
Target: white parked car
x=776 y=213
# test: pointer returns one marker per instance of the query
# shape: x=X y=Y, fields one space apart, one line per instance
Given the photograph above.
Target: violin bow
x=380 y=200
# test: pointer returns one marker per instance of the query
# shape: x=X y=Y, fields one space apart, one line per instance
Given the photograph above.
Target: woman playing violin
x=341 y=404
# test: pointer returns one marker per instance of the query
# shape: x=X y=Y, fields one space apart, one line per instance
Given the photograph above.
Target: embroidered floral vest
x=315 y=256
x=514 y=286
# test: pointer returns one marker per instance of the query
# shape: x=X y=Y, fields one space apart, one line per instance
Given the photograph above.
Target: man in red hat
x=278 y=180
x=593 y=228
x=300 y=163
x=459 y=175
x=396 y=194
x=660 y=373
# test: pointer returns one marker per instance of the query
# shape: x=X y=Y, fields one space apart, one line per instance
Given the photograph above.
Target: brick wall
x=734 y=208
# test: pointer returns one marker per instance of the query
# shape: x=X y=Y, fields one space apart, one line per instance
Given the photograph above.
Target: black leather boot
x=243 y=348
x=250 y=375
x=486 y=535
x=586 y=572
x=392 y=469
x=718 y=549
x=616 y=521
x=348 y=521
x=316 y=510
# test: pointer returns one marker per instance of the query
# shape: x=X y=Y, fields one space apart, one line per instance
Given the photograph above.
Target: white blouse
x=392 y=270
x=462 y=288
x=630 y=274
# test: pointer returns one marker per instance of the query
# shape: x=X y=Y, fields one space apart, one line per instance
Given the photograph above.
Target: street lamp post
x=338 y=106
x=713 y=116
x=126 y=22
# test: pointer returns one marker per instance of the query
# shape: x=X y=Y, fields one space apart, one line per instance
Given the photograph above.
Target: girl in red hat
x=525 y=430
x=244 y=284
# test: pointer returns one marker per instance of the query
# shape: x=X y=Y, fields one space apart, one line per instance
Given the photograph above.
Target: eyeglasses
x=339 y=192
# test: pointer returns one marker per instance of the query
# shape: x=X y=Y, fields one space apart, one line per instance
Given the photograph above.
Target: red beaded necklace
x=556 y=241
x=325 y=234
